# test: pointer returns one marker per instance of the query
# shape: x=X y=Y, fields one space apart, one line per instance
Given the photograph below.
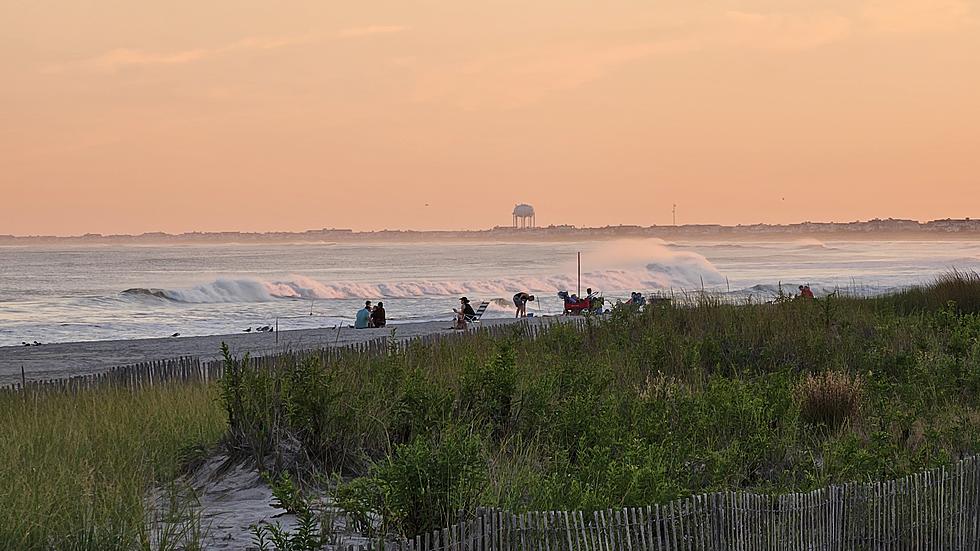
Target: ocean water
x=80 y=293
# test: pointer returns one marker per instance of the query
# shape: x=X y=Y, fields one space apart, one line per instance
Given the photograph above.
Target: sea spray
x=629 y=265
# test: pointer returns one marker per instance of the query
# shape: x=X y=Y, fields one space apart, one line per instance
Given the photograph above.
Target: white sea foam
x=640 y=265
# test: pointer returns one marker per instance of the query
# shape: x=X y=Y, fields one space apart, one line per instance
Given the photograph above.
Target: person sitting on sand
x=520 y=301
x=363 y=318
x=378 y=315
x=805 y=291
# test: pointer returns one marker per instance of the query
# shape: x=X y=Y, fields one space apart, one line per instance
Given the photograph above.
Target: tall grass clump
x=961 y=289
x=635 y=408
x=76 y=469
x=830 y=398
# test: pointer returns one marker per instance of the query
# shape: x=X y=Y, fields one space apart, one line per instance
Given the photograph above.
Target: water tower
x=523 y=216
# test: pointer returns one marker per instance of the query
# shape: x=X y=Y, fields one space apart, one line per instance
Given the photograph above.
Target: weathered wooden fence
x=934 y=510
x=190 y=369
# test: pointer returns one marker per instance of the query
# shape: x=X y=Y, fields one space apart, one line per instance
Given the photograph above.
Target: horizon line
x=94 y=235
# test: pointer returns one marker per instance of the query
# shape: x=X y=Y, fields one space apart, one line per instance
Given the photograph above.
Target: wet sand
x=58 y=360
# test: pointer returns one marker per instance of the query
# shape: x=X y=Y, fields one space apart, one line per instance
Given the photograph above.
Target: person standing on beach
x=363 y=318
x=520 y=301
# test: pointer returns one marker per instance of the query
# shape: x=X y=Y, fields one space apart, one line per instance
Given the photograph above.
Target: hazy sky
x=123 y=116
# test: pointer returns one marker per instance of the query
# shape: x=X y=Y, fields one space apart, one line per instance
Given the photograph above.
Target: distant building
x=952 y=225
x=523 y=216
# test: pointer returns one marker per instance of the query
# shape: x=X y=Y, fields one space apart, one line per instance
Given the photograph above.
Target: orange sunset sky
x=128 y=116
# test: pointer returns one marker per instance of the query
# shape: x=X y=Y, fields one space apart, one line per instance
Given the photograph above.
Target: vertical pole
x=580 y=274
x=23 y=377
x=277 y=330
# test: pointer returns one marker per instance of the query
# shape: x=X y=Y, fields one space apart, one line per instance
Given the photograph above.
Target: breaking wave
x=810 y=243
x=667 y=269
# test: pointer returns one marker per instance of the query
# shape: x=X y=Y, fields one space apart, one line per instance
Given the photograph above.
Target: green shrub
x=487 y=391
x=421 y=405
x=423 y=483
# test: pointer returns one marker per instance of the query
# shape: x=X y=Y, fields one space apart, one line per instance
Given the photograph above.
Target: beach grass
x=76 y=470
x=638 y=408
x=959 y=288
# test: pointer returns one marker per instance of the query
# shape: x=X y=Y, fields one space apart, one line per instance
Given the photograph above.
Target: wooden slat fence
x=934 y=510
x=190 y=369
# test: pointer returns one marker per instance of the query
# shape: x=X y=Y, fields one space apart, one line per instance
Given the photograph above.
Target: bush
x=420 y=406
x=487 y=391
x=422 y=484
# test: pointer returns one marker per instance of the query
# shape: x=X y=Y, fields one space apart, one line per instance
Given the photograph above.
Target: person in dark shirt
x=520 y=301
x=466 y=308
x=378 y=315
x=464 y=312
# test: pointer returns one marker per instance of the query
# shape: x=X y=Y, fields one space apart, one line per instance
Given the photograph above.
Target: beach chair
x=475 y=318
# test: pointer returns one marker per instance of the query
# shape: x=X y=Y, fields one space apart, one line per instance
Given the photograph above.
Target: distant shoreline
x=911 y=230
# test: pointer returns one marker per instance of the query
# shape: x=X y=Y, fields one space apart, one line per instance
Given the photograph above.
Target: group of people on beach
x=369 y=316
x=375 y=316
x=575 y=299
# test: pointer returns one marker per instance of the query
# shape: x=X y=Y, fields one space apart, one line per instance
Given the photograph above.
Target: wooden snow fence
x=190 y=369
x=933 y=510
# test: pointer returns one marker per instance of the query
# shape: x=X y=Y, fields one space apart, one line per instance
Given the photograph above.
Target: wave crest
x=667 y=269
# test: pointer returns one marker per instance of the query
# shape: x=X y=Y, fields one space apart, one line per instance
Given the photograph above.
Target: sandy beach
x=58 y=360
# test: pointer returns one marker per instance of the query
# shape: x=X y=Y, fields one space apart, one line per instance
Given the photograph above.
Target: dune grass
x=75 y=470
x=639 y=408
x=959 y=288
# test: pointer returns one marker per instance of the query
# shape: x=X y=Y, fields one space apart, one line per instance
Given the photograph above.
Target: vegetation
x=76 y=470
x=636 y=408
x=955 y=288
x=312 y=528
x=639 y=408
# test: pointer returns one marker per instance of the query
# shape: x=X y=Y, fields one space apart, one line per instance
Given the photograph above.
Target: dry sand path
x=58 y=360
